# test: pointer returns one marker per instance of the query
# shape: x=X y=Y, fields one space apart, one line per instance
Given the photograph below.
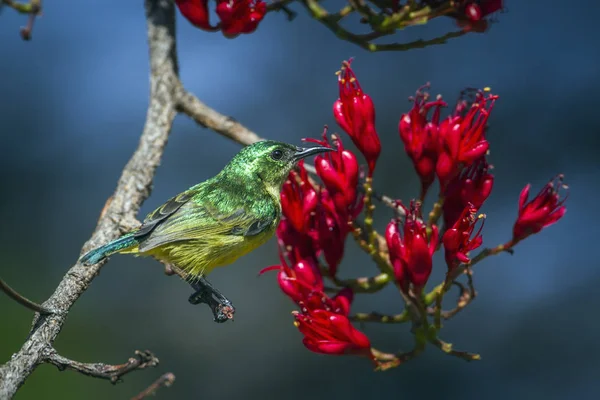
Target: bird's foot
x=220 y=305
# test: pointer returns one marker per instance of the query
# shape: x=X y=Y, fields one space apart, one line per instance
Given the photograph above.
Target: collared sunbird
x=215 y=222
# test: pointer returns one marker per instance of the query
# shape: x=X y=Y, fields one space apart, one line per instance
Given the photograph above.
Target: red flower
x=295 y=246
x=476 y=10
x=462 y=138
x=545 y=209
x=355 y=113
x=473 y=185
x=458 y=241
x=420 y=136
x=240 y=16
x=303 y=283
x=342 y=301
x=196 y=11
x=326 y=332
x=410 y=254
x=299 y=281
x=331 y=231
x=298 y=199
x=339 y=172
x=237 y=16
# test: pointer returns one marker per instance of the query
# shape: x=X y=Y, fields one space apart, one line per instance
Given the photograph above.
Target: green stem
x=369 y=208
x=437 y=293
x=434 y=215
x=381 y=318
x=331 y=21
x=380 y=259
x=363 y=284
x=32 y=7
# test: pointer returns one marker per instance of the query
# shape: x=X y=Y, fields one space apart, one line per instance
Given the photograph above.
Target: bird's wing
x=180 y=219
x=162 y=213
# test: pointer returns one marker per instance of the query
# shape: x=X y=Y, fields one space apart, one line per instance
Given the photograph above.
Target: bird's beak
x=309 y=151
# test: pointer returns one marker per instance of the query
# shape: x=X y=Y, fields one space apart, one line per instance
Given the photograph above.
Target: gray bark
x=120 y=212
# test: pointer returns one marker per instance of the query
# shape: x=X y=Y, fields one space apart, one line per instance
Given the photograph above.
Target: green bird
x=217 y=221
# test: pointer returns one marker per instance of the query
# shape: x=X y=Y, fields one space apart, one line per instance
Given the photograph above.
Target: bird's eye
x=277 y=154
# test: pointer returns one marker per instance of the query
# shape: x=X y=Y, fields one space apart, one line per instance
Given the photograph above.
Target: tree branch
x=113 y=373
x=165 y=380
x=22 y=300
x=133 y=188
x=190 y=105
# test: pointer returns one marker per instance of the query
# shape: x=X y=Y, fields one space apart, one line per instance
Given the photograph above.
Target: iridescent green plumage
x=215 y=222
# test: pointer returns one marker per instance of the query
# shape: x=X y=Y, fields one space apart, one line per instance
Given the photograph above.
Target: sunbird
x=217 y=221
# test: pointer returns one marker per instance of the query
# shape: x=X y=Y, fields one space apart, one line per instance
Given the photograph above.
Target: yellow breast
x=201 y=256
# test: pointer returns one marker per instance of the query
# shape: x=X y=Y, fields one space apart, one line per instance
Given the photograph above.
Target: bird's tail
x=95 y=256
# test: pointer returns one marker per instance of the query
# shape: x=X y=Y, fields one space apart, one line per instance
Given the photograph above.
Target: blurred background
x=72 y=106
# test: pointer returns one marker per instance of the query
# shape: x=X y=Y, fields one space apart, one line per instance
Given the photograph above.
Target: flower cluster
x=318 y=217
x=317 y=221
x=236 y=16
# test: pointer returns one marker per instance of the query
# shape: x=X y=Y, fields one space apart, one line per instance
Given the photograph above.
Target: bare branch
x=22 y=300
x=165 y=380
x=190 y=105
x=133 y=188
x=113 y=373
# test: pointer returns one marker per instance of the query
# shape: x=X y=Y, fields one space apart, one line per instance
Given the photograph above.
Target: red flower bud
x=396 y=253
x=326 y=332
x=240 y=16
x=339 y=172
x=355 y=113
x=420 y=136
x=298 y=199
x=462 y=138
x=410 y=253
x=470 y=17
x=473 y=12
x=543 y=210
x=473 y=186
x=196 y=11
x=331 y=231
x=342 y=301
x=300 y=280
x=458 y=241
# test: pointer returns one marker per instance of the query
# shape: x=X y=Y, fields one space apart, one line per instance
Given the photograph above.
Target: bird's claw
x=223 y=313
x=220 y=306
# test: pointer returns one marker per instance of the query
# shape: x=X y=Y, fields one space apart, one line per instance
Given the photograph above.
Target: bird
x=215 y=222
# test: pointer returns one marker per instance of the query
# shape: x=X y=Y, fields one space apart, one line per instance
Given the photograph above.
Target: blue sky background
x=72 y=107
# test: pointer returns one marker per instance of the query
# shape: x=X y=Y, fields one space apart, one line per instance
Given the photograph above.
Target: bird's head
x=271 y=161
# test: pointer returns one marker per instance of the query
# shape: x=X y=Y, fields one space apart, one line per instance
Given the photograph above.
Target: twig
x=465 y=297
x=33 y=8
x=113 y=373
x=133 y=188
x=447 y=348
x=22 y=300
x=282 y=5
x=165 y=380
